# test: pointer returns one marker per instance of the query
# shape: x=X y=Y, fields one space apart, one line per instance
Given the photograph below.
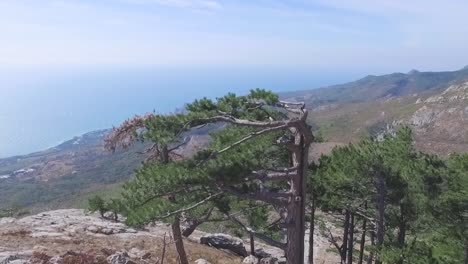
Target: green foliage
x=15 y=211
x=162 y=187
x=424 y=195
x=97 y=204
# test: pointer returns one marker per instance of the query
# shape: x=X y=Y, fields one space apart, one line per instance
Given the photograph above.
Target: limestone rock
x=202 y=261
x=250 y=260
x=139 y=254
x=119 y=258
x=269 y=260
x=261 y=253
x=7 y=259
x=224 y=241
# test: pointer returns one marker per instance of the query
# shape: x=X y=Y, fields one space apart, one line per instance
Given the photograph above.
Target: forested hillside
x=391 y=202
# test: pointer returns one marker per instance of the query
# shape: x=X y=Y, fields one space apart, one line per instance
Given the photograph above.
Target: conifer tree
x=452 y=206
x=259 y=152
x=386 y=185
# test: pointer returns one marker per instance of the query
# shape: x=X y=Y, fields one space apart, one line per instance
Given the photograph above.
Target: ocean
x=40 y=108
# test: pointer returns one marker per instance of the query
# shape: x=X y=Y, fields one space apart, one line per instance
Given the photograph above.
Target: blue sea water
x=39 y=108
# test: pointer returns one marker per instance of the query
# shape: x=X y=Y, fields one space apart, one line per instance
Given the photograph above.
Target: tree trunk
x=311 y=234
x=351 y=240
x=371 y=254
x=295 y=219
x=190 y=227
x=363 y=238
x=401 y=234
x=466 y=252
x=344 y=245
x=178 y=241
x=381 y=195
x=252 y=244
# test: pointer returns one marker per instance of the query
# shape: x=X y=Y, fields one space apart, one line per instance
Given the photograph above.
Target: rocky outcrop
x=440 y=124
x=224 y=241
x=250 y=260
x=120 y=258
x=202 y=261
x=75 y=236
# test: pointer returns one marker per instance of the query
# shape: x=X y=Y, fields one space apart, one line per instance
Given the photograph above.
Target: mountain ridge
x=373 y=87
x=66 y=175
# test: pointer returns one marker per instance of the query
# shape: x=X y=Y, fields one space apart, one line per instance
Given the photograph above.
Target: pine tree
x=387 y=186
x=259 y=153
x=452 y=206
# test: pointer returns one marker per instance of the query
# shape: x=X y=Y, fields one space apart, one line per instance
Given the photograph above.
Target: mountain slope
x=439 y=118
x=69 y=173
x=61 y=175
x=434 y=104
x=374 y=87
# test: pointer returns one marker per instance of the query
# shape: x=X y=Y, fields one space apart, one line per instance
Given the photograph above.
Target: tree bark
x=351 y=240
x=295 y=219
x=466 y=253
x=178 y=241
x=381 y=195
x=401 y=236
x=363 y=238
x=190 y=227
x=311 y=234
x=252 y=244
x=344 y=245
x=371 y=254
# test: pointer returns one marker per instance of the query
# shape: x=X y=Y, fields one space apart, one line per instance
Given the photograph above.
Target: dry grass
x=95 y=249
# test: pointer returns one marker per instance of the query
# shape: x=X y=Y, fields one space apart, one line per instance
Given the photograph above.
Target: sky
x=320 y=34
x=71 y=66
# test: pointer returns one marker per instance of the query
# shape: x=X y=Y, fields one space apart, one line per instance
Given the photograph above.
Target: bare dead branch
x=272 y=176
x=333 y=240
x=259 y=235
x=179 y=145
x=286 y=104
x=207 y=199
x=278 y=199
x=159 y=195
x=124 y=135
x=240 y=122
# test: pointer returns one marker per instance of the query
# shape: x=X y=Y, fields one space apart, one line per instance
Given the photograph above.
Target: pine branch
x=286 y=104
x=240 y=122
x=179 y=145
x=278 y=199
x=207 y=199
x=242 y=140
x=274 y=176
x=259 y=235
x=159 y=195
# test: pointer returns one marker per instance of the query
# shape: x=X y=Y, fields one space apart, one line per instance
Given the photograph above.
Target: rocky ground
x=74 y=236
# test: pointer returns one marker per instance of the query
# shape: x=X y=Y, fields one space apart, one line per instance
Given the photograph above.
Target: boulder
x=224 y=241
x=269 y=260
x=107 y=231
x=139 y=254
x=250 y=260
x=7 y=259
x=202 y=261
x=92 y=229
x=282 y=260
x=261 y=253
x=18 y=261
x=119 y=258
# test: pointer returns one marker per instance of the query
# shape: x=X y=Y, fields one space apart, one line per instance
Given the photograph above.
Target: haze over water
x=40 y=109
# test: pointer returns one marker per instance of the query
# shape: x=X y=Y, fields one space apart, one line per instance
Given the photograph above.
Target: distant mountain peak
x=413 y=71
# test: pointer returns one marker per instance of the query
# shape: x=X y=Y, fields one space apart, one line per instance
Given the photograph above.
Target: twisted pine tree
x=259 y=152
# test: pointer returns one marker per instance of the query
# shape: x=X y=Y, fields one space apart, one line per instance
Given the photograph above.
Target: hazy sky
x=70 y=66
x=323 y=34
